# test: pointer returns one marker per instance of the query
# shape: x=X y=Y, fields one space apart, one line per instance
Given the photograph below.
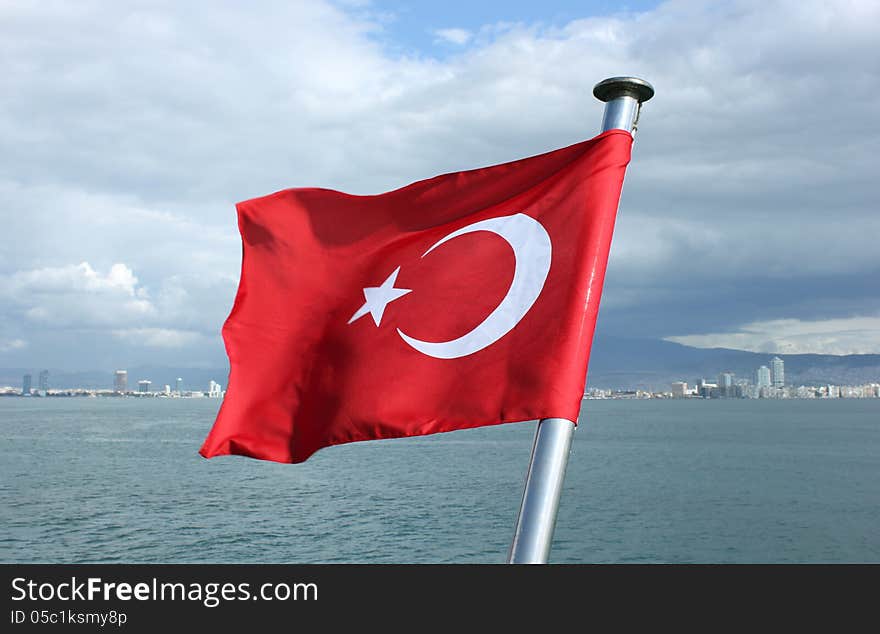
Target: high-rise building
x=178 y=385
x=725 y=384
x=144 y=386
x=214 y=389
x=679 y=389
x=763 y=377
x=43 y=380
x=120 y=383
x=26 y=385
x=777 y=369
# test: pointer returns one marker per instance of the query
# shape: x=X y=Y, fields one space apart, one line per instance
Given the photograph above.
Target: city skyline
x=640 y=359
x=118 y=384
x=119 y=387
x=769 y=382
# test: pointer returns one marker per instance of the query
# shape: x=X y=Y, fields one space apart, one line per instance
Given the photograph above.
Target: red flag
x=460 y=301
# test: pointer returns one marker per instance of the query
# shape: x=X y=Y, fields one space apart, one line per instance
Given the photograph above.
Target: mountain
x=615 y=362
x=653 y=364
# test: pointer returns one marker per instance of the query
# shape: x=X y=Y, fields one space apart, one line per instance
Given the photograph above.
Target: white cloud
x=77 y=295
x=853 y=335
x=459 y=37
x=49 y=225
x=159 y=337
x=78 y=277
x=8 y=345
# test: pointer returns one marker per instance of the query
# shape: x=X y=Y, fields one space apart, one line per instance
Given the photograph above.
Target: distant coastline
x=87 y=393
x=620 y=367
x=870 y=391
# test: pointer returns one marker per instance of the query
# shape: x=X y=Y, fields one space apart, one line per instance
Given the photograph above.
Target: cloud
x=651 y=246
x=7 y=345
x=159 y=337
x=853 y=335
x=459 y=37
x=127 y=133
x=77 y=295
x=80 y=277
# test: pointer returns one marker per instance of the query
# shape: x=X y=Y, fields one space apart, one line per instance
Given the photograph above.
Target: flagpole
x=623 y=97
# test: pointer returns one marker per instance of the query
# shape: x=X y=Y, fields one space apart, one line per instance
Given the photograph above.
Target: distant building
x=679 y=389
x=26 y=385
x=167 y=390
x=43 y=380
x=805 y=392
x=762 y=378
x=178 y=386
x=214 y=390
x=144 y=386
x=726 y=387
x=120 y=382
x=777 y=372
x=705 y=389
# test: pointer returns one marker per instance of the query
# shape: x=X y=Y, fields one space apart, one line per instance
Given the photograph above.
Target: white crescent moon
x=531 y=250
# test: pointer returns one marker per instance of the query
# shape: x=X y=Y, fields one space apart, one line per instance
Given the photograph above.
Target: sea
x=95 y=480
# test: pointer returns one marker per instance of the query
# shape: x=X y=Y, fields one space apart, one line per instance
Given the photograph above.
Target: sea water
x=86 y=480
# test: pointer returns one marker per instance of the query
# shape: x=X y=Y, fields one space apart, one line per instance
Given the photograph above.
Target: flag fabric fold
x=464 y=300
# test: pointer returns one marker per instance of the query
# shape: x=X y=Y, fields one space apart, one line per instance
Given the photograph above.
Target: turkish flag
x=460 y=301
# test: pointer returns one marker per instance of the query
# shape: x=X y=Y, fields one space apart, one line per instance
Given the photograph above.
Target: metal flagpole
x=623 y=97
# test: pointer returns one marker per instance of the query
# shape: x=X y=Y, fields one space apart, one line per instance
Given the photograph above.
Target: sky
x=128 y=131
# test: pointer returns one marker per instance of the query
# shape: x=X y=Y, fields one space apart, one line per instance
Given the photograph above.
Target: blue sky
x=440 y=29
x=128 y=131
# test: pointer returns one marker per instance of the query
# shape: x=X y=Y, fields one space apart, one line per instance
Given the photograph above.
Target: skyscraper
x=763 y=377
x=26 y=385
x=178 y=385
x=43 y=381
x=144 y=386
x=120 y=385
x=777 y=367
x=725 y=384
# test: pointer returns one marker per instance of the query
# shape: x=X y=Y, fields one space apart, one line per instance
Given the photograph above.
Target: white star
x=378 y=297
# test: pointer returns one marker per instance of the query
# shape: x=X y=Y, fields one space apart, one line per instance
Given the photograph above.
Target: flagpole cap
x=615 y=87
